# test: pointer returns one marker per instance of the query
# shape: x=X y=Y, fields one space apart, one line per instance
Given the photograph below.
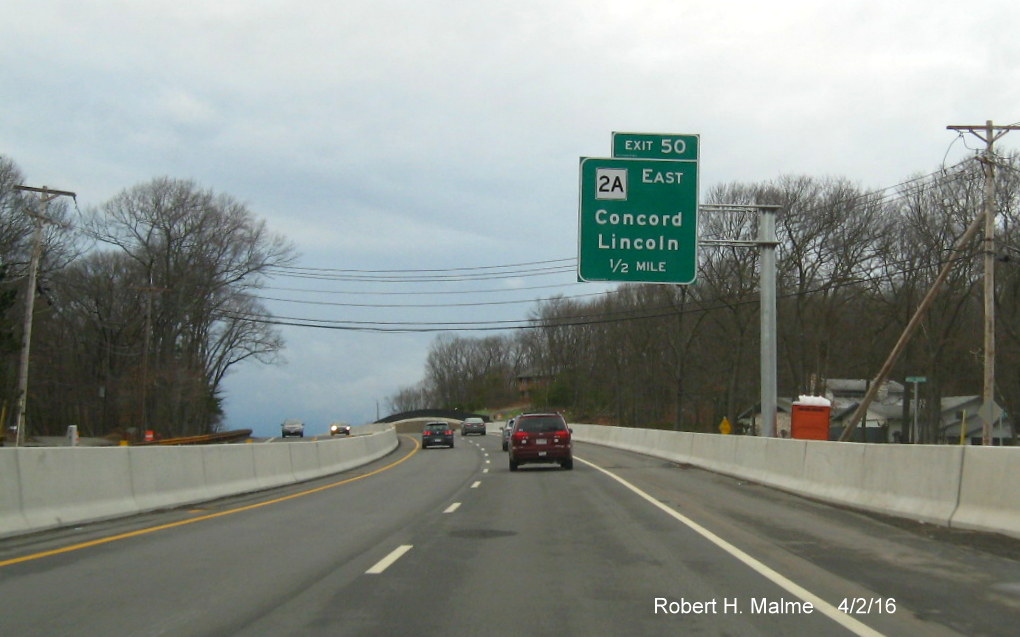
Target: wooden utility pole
x=988 y=133
x=146 y=346
x=908 y=332
x=46 y=195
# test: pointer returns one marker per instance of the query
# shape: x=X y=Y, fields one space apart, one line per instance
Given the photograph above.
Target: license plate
x=541 y=441
x=542 y=453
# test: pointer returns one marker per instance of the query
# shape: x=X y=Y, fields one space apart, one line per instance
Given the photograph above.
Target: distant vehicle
x=437 y=433
x=507 y=430
x=339 y=429
x=292 y=427
x=472 y=426
x=541 y=438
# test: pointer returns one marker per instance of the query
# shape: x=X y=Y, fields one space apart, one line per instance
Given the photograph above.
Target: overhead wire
x=580 y=320
x=886 y=194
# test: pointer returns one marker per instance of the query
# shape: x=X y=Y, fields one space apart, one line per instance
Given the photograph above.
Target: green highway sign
x=638 y=220
x=656 y=146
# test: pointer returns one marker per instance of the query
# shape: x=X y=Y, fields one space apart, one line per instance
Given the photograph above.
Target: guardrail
x=48 y=487
x=963 y=487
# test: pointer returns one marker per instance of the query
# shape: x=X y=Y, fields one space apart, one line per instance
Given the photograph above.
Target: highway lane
x=539 y=551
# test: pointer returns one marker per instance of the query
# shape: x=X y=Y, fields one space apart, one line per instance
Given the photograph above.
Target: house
x=963 y=413
x=884 y=420
x=529 y=381
x=749 y=420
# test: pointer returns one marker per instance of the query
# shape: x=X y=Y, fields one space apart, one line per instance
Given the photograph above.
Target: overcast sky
x=439 y=134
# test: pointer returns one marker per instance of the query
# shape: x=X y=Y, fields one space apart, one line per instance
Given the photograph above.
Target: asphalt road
x=449 y=542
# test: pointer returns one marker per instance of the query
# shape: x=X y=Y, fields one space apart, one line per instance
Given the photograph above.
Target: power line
x=414 y=271
x=578 y=320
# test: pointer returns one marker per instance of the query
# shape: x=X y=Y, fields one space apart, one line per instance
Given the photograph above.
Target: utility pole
x=988 y=133
x=146 y=346
x=908 y=331
x=46 y=195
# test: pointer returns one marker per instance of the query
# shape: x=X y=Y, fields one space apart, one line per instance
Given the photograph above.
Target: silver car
x=508 y=429
x=292 y=427
x=472 y=426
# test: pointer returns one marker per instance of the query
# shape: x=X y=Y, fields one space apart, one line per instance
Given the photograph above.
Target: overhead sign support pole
x=767 y=242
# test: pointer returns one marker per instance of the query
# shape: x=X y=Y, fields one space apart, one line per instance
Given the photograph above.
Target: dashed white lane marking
x=453 y=507
x=388 y=561
x=476 y=484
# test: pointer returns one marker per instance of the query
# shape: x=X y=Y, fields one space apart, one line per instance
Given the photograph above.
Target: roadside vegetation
x=143 y=304
x=853 y=266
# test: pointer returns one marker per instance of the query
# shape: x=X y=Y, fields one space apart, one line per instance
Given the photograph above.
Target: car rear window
x=436 y=427
x=540 y=424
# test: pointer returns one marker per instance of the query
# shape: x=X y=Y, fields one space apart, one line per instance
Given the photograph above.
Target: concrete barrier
x=229 y=469
x=989 y=498
x=304 y=459
x=12 y=520
x=966 y=487
x=44 y=488
x=921 y=482
x=833 y=471
x=160 y=479
x=68 y=485
x=272 y=465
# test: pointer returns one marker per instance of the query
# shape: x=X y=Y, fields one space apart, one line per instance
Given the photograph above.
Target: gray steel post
x=767 y=242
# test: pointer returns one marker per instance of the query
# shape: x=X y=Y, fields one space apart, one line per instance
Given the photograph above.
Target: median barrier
x=160 y=479
x=12 y=520
x=304 y=459
x=272 y=465
x=989 y=498
x=229 y=469
x=69 y=485
x=43 y=488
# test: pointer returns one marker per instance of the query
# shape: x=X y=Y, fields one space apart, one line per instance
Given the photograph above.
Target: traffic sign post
x=638 y=220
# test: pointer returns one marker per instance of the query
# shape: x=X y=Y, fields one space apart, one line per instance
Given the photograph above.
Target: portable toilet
x=809 y=418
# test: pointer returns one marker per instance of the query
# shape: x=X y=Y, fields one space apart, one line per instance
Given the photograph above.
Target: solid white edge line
x=388 y=561
x=780 y=580
x=453 y=507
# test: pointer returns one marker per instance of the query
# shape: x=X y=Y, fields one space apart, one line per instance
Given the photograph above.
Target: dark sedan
x=437 y=433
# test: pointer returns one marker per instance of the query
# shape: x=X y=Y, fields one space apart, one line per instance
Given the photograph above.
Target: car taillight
x=449 y=432
x=562 y=434
x=520 y=435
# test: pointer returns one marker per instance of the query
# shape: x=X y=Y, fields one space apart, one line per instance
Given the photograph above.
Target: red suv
x=540 y=438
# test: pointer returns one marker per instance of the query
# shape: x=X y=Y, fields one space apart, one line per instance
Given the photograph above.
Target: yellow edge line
x=171 y=525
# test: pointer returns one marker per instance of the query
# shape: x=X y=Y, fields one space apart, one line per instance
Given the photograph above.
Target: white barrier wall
x=965 y=487
x=989 y=497
x=43 y=488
